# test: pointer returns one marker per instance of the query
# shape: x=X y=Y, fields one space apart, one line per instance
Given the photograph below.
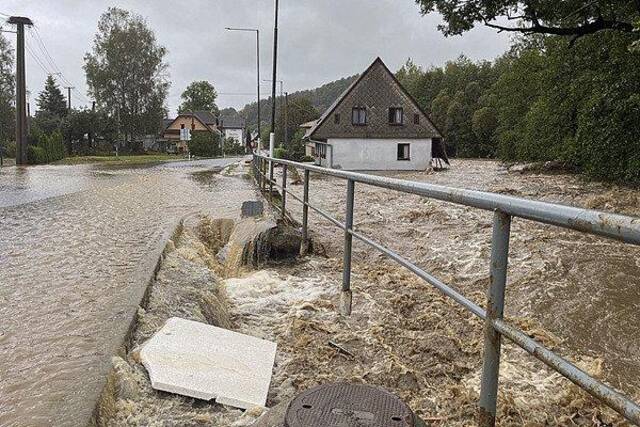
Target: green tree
x=484 y=124
x=51 y=99
x=199 y=96
x=575 y=18
x=126 y=73
x=7 y=94
x=300 y=111
x=82 y=128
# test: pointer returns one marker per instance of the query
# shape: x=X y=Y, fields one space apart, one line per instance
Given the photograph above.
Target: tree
x=7 y=93
x=300 y=111
x=575 y=18
x=199 y=96
x=51 y=99
x=126 y=73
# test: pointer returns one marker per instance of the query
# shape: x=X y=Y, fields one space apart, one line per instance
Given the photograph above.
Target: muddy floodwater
x=584 y=289
x=76 y=247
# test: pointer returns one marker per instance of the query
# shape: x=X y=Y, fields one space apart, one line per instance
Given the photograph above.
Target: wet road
x=76 y=247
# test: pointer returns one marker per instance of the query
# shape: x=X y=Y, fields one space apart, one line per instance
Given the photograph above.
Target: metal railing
x=622 y=228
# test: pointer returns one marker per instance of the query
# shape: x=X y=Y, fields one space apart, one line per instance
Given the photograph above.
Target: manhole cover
x=348 y=405
x=252 y=209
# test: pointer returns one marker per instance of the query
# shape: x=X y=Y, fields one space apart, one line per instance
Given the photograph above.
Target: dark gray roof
x=377 y=89
x=166 y=123
x=231 y=121
x=206 y=117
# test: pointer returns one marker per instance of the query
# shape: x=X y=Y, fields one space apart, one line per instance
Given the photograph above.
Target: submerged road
x=77 y=244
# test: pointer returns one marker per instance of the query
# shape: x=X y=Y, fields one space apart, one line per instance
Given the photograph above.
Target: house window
x=416 y=119
x=182 y=126
x=359 y=116
x=395 y=116
x=404 y=152
x=336 y=118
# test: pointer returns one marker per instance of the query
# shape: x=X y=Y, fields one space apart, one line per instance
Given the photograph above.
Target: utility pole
x=68 y=88
x=257 y=31
x=281 y=83
x=286 y=119
x=272 y=135
x=21 y=89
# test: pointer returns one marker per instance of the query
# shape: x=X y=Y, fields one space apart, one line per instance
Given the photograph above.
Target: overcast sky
x=319 y=40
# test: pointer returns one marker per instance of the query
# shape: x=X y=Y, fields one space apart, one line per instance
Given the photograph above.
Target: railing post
x=345 y=296
x=495 y=310
x=304 y=248
x=284 y=191
x=271 y=181
x=253 y=168
x=264 y=175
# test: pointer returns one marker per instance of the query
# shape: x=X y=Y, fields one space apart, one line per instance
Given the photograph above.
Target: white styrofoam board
x=206 y=362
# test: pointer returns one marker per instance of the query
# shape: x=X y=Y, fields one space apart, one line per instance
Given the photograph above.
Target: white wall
x=378 y=154
x=234 y=133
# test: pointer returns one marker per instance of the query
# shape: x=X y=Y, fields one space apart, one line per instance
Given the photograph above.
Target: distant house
x=232 y=127
x=374 y=125
x=203 y=121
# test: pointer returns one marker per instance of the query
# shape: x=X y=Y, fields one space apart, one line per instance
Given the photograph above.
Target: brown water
x=76 y=247
x=582 y=288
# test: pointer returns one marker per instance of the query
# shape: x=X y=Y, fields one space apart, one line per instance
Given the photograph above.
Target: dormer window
x=359 y=116
x=396 y=116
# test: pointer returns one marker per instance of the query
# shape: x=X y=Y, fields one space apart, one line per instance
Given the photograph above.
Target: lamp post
x=272 y=136
x=257 y=31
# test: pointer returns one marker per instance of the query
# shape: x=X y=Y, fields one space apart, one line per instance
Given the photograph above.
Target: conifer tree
x=51 y=99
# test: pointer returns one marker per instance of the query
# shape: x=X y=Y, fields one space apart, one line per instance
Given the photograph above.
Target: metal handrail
x=614 y=226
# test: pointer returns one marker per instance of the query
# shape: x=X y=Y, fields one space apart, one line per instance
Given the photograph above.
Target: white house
x=375 y=125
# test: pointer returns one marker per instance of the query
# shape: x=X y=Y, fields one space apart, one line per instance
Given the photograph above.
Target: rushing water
x=582 y=288
x=76 y=247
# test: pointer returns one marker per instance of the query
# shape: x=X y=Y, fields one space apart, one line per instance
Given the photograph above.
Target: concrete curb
x=149 y=273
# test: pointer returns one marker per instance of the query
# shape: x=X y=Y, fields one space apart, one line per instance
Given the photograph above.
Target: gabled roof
x=206 y=118
x=377 y=62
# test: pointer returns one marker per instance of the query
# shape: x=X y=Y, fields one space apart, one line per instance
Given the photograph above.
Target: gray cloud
x=320 y=40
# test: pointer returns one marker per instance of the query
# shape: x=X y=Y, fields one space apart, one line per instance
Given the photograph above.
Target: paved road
x=76 y=246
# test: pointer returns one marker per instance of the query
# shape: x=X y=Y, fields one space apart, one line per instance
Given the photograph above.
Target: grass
x=129 y=160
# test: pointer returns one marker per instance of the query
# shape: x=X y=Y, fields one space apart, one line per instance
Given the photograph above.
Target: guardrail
x=622 y=228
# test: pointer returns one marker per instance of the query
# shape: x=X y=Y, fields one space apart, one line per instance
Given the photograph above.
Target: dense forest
x=548 y=98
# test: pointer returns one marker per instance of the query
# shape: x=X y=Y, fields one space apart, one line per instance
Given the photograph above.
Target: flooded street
x=77 y=244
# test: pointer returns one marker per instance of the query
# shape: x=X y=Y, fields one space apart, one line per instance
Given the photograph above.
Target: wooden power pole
x=68 y=88
x=21 y=91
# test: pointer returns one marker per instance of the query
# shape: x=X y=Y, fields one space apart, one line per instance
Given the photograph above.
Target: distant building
x=232 y=127
x=204 y=121
x=374 y=125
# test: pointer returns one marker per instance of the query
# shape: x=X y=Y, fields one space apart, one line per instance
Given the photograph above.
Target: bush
x=45 y=148
x=280 y=153
x=231 y=147
x=205 y=144
x=8 y=149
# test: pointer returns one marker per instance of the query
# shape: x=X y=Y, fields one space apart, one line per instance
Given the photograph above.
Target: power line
x=54 y=66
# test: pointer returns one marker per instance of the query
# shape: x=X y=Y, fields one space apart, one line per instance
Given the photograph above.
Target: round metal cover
x=348 y=405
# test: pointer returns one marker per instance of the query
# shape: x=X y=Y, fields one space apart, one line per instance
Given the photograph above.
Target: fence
x=622 y=228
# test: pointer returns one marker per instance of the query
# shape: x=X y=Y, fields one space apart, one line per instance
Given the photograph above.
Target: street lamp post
x=272 y=136
x=257 y=31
